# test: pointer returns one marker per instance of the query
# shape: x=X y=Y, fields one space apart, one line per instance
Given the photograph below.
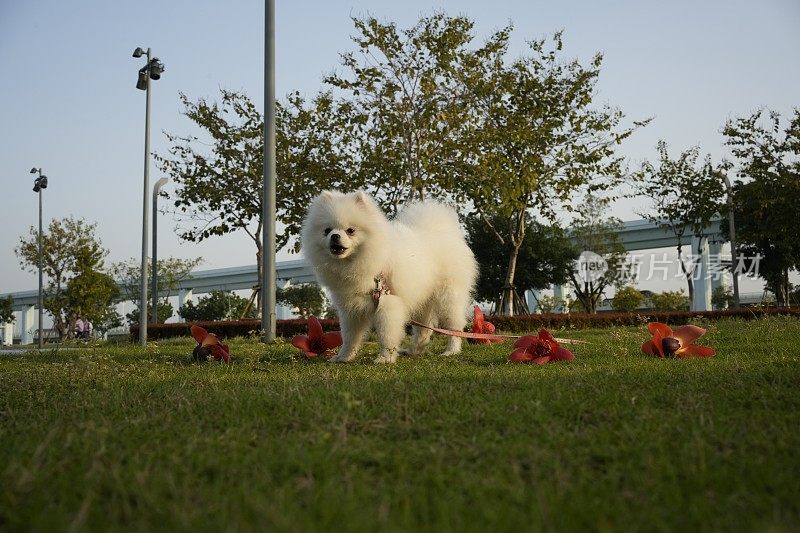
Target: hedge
x=231 y=328
x=513 y=324
x=532 y=323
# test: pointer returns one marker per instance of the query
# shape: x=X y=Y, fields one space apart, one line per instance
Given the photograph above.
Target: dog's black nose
x=335 y=237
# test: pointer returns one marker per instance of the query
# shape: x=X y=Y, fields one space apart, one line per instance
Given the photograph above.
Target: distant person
x=80 y=328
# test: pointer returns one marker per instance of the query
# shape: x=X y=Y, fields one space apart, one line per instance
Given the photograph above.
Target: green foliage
x=218 y=305
x=70 y=249
x=596 y=232
x=307 y=299
x=627 y=299
x=545 y=256
x=406 y=95
x=91 y=294
x=670 y=301
x=164 y=310
x=683 y=198
x=767 y=206
x=533 y=139
x=721 y=297
x=219 y=176
x=6 y=310
x=171 y=271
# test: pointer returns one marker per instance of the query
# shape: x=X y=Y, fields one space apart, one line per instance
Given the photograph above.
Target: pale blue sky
x=69 y=104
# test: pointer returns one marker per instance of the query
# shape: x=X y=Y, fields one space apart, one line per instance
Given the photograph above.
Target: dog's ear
x=363 y=199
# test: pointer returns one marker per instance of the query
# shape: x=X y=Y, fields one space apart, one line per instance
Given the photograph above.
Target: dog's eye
x=350 y=231
x=327 y=230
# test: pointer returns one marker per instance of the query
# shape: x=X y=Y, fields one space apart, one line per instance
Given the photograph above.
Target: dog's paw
x=386 y=357
x=342 y=357
x=450 y=353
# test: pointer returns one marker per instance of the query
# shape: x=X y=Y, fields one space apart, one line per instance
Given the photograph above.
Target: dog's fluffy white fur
x=428 y=267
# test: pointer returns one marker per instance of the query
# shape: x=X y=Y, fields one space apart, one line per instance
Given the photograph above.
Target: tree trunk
x=689 y=281
x=507 y=297
x=260 y=273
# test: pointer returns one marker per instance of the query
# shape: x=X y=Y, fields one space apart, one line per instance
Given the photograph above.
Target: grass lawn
x=115 y=437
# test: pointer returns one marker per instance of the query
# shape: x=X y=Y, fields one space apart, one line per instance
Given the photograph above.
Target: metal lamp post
x=734 y=256
x=268 y=280
x=151 y=71
x=39 y=184
x=154 y=287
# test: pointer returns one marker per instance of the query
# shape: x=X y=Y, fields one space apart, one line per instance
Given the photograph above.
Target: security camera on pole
x=151 y=71
x=39 y=184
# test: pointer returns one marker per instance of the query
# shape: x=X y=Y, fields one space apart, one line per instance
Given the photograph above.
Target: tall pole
x=145 y=213
x=268 y=205
x=40 y=342
x=734 y=256
x=154 y=283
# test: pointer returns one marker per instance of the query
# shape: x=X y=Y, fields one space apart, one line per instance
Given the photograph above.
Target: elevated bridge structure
x=635 y=235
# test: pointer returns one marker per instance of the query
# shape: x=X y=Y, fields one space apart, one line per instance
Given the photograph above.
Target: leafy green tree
x=670 y=301
x=533 y=140
x=766 y=198
x=406 y=96
x=721 y=297
x=6 y=310
x=171 y=271
x=92 y=294
x=307 y=298
x=69 y=247
x=218 y=305
x=219 y=176
x=627 y=299
x=163 y=308
x=684 y=198
x=594 y=231
x=545 y=257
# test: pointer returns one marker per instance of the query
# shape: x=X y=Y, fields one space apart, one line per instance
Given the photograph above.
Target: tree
x=69 y=248
x=721 y=297
x=218 y=305
x=767 y=205
x=307 y=298
x=219 y=177
x=91 y=294
x=6 y=310
x=627 y=299
x=406 y=95
x=171 y=271
x=684 y=198
x=545 y=257
x=533 y=140
x=596 y=233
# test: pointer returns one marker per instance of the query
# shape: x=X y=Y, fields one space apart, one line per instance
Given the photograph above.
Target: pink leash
x=488 y=336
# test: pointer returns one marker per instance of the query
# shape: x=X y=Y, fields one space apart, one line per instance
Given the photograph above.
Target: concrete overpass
x=635 y=235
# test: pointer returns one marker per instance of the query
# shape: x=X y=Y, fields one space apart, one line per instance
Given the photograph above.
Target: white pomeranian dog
x=383 y=273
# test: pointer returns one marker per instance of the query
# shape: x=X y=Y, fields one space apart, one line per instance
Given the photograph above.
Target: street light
x=39 y=184
x=268 y=280
x=154 y=287
x=734 y=255
x=151 y=71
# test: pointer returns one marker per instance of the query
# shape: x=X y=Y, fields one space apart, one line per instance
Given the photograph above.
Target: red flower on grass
x=481 y=325
x=677 y=343
x=209 y=344
x=316 y=342
x=539 y=349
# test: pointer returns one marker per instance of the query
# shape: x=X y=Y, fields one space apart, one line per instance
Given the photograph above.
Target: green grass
x=115 y=437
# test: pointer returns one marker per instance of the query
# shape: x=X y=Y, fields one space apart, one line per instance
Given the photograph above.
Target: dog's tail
x=431 y=216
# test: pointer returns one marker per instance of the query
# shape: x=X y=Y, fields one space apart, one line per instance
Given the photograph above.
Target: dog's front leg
x=353 y=330
x=390 y=325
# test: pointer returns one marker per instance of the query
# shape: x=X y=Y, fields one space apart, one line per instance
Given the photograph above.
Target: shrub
x=231 y=328
x=670 y=301
x=627 y=299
